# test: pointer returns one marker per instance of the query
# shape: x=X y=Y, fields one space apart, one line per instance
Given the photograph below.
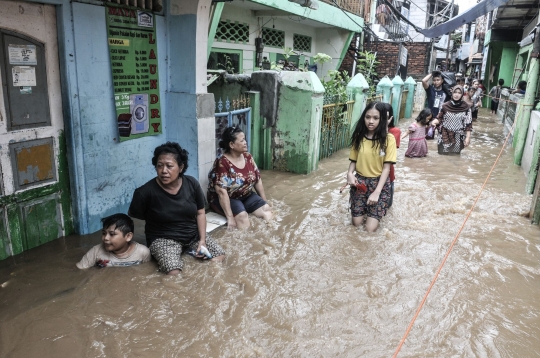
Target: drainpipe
x=356 y=54
x=528 y=101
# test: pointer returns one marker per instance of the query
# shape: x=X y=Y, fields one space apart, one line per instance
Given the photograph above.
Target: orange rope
x=451 y=246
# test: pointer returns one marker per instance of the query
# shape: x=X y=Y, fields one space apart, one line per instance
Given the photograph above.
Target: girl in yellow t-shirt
x=373 y=152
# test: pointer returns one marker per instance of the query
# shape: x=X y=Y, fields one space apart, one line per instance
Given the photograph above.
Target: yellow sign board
x=118 y=42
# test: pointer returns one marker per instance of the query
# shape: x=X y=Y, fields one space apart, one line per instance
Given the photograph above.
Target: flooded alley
x=309 y=284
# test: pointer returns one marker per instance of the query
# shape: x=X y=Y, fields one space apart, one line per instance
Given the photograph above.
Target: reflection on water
x=309 y=284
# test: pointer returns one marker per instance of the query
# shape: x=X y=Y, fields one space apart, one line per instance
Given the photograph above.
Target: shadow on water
x=309 y=284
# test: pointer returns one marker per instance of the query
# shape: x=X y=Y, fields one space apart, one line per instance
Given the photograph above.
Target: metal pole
x=448 y=46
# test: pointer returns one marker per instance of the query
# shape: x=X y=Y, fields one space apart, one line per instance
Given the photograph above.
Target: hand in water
x=231 y=224
x=102 y=263
x=202 y=251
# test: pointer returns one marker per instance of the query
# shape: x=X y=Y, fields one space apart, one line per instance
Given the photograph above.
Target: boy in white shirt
x=117 y=248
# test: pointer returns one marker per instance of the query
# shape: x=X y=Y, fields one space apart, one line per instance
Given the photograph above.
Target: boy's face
x=475 y=85
x=114 y=240
x=437 y=81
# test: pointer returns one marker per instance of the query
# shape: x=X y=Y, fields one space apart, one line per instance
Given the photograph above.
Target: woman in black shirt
x=172 y=206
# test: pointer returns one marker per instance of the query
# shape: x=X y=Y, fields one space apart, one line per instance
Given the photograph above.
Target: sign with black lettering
x=133 y=53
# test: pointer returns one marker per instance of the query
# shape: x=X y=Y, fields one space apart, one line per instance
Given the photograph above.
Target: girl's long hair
x=381 y=132
x=423 y=116
x=390 y=112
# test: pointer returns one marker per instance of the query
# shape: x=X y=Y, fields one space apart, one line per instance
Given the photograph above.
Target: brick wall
x=388 y=52
x=387 y=55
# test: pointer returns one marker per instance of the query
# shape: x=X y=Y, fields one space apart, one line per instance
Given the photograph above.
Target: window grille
x=228 y=31
x=273 y=37
x=301 y=43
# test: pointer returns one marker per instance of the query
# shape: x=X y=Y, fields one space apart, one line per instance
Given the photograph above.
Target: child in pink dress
x=417 y=131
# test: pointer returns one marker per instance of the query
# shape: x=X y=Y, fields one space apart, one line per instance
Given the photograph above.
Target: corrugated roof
x=516 y=14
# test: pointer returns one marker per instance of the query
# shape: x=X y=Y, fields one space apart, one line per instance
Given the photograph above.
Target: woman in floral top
x=232 y=181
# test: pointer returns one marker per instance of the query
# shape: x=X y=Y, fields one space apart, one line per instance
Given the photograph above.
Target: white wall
x=327 y=40
x=39 y=22
x=418 y=16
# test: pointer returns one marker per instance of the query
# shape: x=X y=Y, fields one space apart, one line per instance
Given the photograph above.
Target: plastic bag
x=449 y=78
x=430 y=133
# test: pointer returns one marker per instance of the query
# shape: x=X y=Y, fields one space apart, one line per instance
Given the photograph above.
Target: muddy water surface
x=309 y=284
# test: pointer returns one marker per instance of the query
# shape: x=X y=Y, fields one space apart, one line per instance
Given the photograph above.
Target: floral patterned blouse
x=239 y=183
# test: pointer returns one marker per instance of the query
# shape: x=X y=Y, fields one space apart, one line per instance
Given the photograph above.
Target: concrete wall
x=291 y=104
x=38 y=22
x=534 y=126
x=419 y=98
x=325 y=39
x=112 y=170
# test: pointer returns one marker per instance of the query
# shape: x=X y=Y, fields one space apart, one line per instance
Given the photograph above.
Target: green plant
x=456 y=37
x=228 y=66
x=336 y=86
x=367 y=65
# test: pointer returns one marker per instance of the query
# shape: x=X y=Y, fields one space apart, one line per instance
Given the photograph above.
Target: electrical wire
x=260 y=28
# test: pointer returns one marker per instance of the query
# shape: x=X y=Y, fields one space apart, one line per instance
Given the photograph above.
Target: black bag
x=449 y=81
x=449 y=78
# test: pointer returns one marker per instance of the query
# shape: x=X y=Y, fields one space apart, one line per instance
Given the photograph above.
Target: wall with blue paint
x=111 y=170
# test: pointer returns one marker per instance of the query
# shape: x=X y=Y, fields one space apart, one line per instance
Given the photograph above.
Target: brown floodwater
x=309 y=284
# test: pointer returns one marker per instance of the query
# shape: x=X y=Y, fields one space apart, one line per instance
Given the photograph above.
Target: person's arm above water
x=351 y=178
x=201 y=227
x=374 y=197
x=260 y=190
x=226 y=206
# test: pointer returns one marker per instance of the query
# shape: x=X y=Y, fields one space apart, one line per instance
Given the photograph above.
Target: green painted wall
x=214 y=22
x=508 y=60
x=327 y=14
x=297 y=129
x=503 y=56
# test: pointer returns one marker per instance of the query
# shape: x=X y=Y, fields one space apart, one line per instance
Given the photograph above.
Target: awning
x=470 y=15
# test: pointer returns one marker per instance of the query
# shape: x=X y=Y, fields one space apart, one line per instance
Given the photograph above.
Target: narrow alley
x=309 y=284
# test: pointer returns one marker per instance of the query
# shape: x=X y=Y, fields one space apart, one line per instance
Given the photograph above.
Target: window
x=225 y=59
x=301 y=43
x=228 y=31
x=273 y=37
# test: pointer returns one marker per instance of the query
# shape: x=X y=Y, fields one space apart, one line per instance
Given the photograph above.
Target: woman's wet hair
x=120 y=221
x=229 y=135
x=423 y=116
x=180 y=154
x=381 y=132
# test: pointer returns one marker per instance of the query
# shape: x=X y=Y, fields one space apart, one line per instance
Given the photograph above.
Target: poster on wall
x=22 y=54
x=133 y=52
x=24 y=76
x=484 y=62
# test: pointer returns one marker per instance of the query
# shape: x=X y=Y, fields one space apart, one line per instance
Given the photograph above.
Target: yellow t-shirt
x=369 y=160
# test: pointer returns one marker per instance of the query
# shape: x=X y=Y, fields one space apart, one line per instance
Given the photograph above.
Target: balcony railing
x=384 y=16
x=357 y=7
